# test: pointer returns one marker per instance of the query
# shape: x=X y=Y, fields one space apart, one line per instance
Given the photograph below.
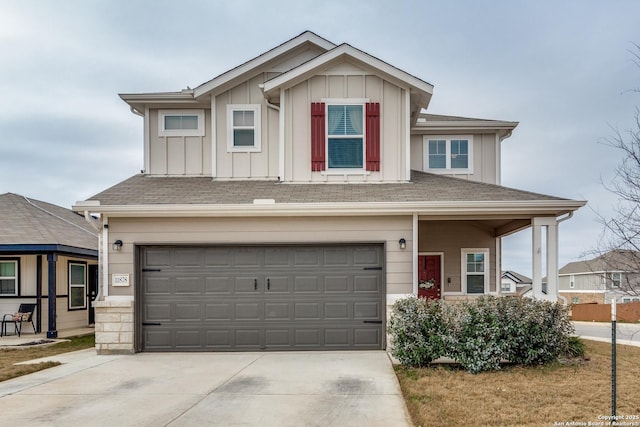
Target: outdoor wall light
x=117 y=245
x=402 y=243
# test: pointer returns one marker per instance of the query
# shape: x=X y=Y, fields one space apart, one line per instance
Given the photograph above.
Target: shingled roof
x=25 y=221
x=153 y=190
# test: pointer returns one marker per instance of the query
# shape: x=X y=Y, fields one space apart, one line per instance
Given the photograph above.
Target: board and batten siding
x=342 y=82
x=582 y=282
x=258 y=231
x=484 y=157
x=179 y=155
x=449 y=237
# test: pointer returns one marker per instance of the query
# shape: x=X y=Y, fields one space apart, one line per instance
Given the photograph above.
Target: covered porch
x=458 y=258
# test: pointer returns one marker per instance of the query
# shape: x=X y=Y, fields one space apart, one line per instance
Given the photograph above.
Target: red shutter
x=317 y=137
x=373 y=136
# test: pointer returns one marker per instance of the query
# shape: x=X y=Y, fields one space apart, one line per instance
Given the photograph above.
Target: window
x=616 y=278
x=475 y=277
x=626 y=300
x=243 y=128
x=9 y=277
x=575 y=300
x=181 y=123
x=77 y=286
x=506 y=287
x=572 y=281
x=345 y=136
x=448 y=154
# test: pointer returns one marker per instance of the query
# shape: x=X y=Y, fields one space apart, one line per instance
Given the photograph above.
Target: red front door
x=428 y=270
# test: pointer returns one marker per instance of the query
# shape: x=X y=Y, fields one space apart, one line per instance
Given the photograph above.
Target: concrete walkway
x=209 y=389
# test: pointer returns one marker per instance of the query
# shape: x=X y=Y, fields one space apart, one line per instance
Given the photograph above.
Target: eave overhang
x=248 y=68
x=34 y=248
x=449 y=210
x=503 y=128
x=184 y=99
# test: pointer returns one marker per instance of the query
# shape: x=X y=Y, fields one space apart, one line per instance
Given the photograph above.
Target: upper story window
x=572 y=281
x=475 y=271
x=616 y=278
x=345 y=136
x=181 y=123
x=9 y=277
x=448 y=154
x=243 y=128
x=506 y=287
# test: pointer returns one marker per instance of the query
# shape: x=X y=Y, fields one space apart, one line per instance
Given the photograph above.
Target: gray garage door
x=261 y=298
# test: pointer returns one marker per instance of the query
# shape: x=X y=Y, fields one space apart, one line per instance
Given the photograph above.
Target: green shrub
x=480 y=334
x=418 y=331
x=575 y=348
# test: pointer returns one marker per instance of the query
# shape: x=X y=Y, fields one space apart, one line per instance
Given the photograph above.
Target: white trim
x=306 y=37
x=16 y=277
x=290 y=78
x=214 y=137
x=407 y=135
x=146 y=134
x=415 y=245
x=498 y=159
x=447 y=170
x=257 y=124
x=199 y=113
x=572 y=281
x=71 y=285
x=342 y=102
x=582 y=291
x=281 y=136
x=463 y=269
x=424 y=208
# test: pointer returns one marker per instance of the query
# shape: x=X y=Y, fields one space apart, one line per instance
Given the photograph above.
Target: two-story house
x=288 y=202
x=612 y=275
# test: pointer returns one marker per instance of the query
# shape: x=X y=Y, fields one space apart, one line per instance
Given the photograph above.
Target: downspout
x=565 y=301
x=101 y=254
x=280 y=130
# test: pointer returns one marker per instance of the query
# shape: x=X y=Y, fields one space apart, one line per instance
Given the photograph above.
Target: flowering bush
x=479 y=334
x=418 y=331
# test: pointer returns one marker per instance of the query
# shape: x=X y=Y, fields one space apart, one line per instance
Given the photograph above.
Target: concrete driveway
x=209 y=389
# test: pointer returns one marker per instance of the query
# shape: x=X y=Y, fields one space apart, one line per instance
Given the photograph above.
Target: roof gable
x=421 y=91
x=307 y=44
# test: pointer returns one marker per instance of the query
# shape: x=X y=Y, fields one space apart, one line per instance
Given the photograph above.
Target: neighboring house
x=612 y=275
x=289 y=202
x=515 y=284
x=48 y=256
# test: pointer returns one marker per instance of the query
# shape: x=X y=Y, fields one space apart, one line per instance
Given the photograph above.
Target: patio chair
x=24 y=315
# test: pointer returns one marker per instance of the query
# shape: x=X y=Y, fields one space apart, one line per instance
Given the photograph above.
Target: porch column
x=52 y=259
x=551 y=248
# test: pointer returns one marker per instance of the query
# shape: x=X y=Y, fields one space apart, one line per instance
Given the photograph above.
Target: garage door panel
x=247 y=338
x=366 y=310
x=367 y=283
x=336 y=311
x=157 y=312
x=157 y=286
x=263 y=298
x=245 y=284
x=306 y=311
x=307 y=284
x=188 y=285
x=187 y=311
x=248 y=311
x=336 y=284
x=367 y=337
x=277 y=310
x=218 y=311
x=218 y=285
x=157 y=258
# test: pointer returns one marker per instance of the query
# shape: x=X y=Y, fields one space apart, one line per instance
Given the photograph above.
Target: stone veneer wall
x=114 y=326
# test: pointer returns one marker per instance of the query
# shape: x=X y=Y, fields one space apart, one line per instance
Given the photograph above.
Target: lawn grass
x=578 y=391
x=10 y=356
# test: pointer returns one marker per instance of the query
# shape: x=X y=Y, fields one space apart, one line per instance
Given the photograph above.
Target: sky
x=563 y=69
